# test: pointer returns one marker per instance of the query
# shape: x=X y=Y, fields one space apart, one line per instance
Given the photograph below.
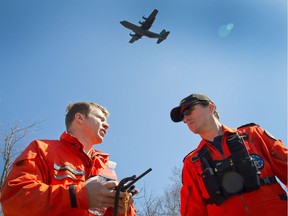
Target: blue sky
x=56 y=52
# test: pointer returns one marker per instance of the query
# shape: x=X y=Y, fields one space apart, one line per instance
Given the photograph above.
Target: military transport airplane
x=143 y=30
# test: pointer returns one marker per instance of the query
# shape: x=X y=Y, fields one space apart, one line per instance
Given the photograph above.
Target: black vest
x=234 y=175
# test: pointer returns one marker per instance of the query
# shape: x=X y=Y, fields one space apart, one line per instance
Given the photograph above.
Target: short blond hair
x=81 y=107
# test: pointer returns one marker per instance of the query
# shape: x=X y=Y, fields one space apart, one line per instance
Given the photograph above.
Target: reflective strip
x=61 y=177
x=69 y=168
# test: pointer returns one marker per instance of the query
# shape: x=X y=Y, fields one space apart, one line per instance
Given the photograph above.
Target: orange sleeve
x=191 y=200
x=131 y=211
x=278 y=154
x=272 y=149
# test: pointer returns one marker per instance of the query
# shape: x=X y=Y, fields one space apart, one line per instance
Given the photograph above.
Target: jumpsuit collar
x=226 y=131
x=68 y=137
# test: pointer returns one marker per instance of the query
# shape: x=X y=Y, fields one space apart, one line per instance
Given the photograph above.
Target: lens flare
x=225 y=30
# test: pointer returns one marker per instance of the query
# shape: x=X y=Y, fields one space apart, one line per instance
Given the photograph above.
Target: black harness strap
x=210 y=178
x=72 y=194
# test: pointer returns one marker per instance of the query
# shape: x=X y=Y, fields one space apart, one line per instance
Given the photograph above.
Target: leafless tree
x=167 y=204
x=10 y=145
x=170 y=200
x=147 y=204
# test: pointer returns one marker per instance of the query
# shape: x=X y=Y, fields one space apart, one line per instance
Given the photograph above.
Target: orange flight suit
x=48 y=178
x=271 y=160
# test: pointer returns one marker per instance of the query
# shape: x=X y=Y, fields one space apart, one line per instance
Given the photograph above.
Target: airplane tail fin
x=163 y=36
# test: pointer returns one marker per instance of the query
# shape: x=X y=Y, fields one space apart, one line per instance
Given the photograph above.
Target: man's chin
x=98 y=142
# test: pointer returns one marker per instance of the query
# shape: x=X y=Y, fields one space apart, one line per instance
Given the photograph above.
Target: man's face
x=197 y=117
x=95 y=126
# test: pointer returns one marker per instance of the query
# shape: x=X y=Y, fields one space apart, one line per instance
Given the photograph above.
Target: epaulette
x=188 y=155
x=248 y=125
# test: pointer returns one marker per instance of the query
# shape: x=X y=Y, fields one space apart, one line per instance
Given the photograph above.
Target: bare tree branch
x=167 y=204
x=11 y=139
x=149 y=205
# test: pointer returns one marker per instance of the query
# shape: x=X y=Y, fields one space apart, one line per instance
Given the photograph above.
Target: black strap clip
x=268 y=180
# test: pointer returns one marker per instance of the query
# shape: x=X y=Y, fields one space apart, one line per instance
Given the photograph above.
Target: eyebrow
x=101 y=117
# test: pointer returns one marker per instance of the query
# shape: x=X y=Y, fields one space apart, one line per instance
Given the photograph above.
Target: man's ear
x=79 y=118
x=212 y=108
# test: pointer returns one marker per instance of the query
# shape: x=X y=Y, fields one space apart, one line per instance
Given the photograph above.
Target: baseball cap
x=176 y=113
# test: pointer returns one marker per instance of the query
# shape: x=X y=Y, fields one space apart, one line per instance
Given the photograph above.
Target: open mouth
x=103 y=132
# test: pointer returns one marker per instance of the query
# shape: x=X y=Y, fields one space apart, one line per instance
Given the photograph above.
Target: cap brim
x=175 y=114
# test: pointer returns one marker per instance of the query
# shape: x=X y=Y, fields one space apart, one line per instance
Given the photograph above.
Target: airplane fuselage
x=139 y=31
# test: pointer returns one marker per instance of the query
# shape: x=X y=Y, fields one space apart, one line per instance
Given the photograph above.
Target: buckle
x=266 y=180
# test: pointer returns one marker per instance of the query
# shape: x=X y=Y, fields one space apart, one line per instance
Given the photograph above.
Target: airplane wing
x=147 y=23
x=134 y=38
x=136 y=29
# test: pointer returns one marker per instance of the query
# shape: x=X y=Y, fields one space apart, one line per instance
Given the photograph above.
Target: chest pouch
x=244 y=163
x=234 y=175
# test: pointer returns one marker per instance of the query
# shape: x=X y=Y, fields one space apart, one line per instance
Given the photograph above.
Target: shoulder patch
x=258 y=160
x=248 y=125
x=270 y=135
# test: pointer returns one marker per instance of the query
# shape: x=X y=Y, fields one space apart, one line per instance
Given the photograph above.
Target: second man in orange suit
x=232 y=171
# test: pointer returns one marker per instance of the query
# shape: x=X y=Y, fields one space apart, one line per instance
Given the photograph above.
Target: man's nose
x=186 y=118
x=105 y=125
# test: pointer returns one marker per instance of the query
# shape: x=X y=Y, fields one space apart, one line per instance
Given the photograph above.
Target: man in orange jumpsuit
x=59 y=177
x=232 y=171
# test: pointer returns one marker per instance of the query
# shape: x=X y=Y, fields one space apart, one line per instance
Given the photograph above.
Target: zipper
x=245 y=206
x=278 y=156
